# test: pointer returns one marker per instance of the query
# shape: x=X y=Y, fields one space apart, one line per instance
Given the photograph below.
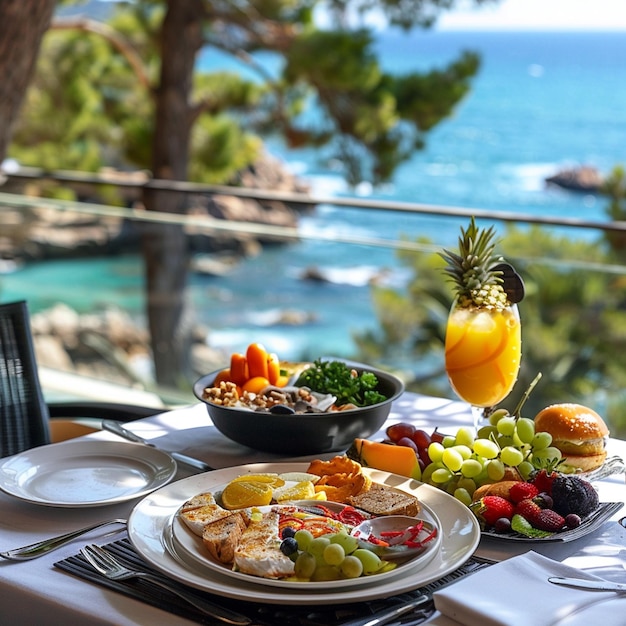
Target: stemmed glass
x=482 y=355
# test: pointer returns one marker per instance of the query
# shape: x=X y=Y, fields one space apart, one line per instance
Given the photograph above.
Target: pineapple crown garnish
x=473 y=270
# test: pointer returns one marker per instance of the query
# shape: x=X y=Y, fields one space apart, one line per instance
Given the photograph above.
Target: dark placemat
x=261 y=614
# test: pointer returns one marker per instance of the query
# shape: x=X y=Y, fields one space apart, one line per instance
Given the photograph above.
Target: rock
x=585 y=178
x=109 y=345
x=43 y=232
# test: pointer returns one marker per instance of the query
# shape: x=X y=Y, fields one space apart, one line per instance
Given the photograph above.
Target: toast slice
x=200 y=511
x=382 y=500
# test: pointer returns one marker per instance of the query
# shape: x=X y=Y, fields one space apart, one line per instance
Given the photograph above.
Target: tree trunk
x=165 y=246
x=22 y=26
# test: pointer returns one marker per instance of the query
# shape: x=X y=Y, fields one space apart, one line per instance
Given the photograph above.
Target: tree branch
x=112 y=36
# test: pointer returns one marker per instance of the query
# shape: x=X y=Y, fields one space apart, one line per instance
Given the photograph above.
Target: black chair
x=25 y=418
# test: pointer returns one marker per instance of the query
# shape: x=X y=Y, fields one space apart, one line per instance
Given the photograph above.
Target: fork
x=107 y=565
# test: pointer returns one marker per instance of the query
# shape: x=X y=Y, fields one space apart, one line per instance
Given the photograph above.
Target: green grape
x=346 y=541
x=468 y=484
x=497 y=415
x=451 y=485
x=525 y=468
x=471 y=468
x=495 y=469
x=304 y=538
x=465 y=437
x=441 y=475
x=525 y=429
x=541 y=441
x=464 y=451
x=435 y=451
x=486 y=448
x=511 y=456
x=506 y=425
x=428 y=472
x=305 y=565
x=317 y=547
x=371 y=562
x=452 y=459
x=485 y=432
x=351 y=567
x=547 y=454
x=334 y=554
x=326 y=572
x=448 y=441
x=462 y=495
x=505 y=440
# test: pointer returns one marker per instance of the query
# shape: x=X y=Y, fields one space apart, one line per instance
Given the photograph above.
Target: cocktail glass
x=483 y=354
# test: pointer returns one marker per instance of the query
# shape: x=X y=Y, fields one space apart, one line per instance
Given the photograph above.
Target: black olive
x=281 y=409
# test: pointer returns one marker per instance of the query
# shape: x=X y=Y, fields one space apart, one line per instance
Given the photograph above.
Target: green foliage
x=89 y=107
x=573 y=320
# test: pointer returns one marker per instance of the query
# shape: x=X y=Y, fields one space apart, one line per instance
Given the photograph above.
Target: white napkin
x=516 y=592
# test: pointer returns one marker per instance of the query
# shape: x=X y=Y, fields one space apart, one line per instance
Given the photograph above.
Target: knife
x=580 y=583
x=117 y=429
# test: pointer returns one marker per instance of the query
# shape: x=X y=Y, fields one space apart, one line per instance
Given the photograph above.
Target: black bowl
x=302 y=433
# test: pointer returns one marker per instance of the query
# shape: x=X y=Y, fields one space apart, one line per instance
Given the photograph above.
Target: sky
x=538 y=15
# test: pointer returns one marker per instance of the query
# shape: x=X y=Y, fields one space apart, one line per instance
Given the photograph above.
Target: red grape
x=408 y=442
x=395 y=432
x=436 y=436
x=421 y=438
x=422 y=453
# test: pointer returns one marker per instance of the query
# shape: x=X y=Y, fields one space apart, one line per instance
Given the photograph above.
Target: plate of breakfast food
x=307 y=544
x=441 y=532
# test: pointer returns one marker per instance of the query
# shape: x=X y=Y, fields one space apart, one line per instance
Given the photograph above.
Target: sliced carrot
x=238 y=368
x=273 y=368
x=257 y=357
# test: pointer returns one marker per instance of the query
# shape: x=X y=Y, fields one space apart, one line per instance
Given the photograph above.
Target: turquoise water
x=541 y=102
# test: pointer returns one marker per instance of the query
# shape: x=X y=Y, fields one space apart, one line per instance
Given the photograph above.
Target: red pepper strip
x=327 y=512
x=423 y=542
x=377 y=542
x=294 y=522
x=392 y=533
x=349 y=515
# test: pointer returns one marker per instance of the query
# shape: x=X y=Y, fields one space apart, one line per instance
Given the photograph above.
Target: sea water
x=541 y=102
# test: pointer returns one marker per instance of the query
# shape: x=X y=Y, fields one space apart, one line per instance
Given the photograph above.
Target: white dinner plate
x=151 y=521
x=190 y=545
x=83 y=473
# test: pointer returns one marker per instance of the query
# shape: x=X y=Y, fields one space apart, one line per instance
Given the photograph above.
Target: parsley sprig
x=338 y=379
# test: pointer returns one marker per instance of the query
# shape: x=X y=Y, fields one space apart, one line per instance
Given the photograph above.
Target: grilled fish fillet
x=258 y=552
x=222 y=537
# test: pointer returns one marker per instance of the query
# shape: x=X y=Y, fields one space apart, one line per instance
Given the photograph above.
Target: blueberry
x=288 y=531
x=289 y=546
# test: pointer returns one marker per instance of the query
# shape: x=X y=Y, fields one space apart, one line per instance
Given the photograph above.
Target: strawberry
x=491 y=508
x=542 y=519
x=543 y=481
x=522 y=491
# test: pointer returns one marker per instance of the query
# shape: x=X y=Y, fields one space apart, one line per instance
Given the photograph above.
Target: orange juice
x=483 y=352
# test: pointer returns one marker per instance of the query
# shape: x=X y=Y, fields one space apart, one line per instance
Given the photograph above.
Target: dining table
x=38 y=591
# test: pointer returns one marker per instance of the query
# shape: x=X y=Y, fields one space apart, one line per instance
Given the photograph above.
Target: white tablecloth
x=36 y=592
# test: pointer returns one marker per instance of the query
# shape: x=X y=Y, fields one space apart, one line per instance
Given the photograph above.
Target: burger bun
x=577 y=431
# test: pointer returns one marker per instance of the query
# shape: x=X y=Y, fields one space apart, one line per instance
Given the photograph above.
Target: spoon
x=35 y=550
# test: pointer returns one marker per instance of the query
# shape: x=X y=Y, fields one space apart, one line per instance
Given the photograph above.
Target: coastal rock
x=109 y=345
x=44 y=232
x=585 y=178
